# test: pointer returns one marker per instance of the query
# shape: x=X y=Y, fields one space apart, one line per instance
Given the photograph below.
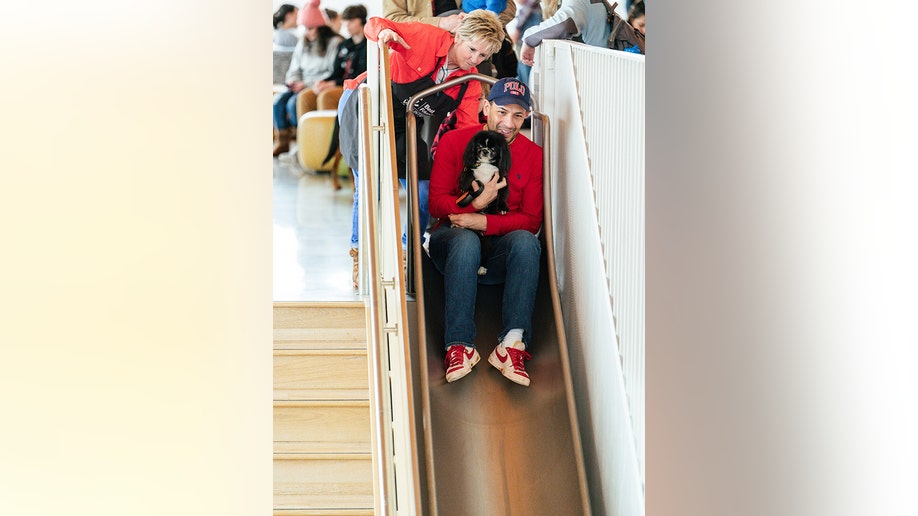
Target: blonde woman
x=422 y=56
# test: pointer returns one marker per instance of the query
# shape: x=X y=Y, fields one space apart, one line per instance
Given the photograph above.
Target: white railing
x=395 y=440
x=596 y=98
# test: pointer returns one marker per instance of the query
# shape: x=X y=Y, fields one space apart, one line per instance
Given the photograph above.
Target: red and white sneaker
x=459 y=361
x=509 y=361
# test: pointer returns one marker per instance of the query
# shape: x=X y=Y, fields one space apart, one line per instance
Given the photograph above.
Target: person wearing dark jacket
x=352 y=53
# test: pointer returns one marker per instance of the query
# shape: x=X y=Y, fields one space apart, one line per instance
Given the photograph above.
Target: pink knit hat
x=311 y=16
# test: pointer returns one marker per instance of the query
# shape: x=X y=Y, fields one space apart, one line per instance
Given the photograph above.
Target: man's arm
x=565 y=24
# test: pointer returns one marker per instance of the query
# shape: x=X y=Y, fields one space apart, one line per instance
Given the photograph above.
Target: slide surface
x=499 y=448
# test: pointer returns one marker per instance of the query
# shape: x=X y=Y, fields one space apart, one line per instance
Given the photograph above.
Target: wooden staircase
x=322 y=455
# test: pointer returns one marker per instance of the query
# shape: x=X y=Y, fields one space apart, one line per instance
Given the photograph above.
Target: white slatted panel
x=610 y=86
x=594 y=99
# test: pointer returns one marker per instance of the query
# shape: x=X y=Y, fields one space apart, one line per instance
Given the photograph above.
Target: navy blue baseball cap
x=511 y=91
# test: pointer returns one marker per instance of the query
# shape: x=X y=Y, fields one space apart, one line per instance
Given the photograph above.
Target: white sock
x=513 y=336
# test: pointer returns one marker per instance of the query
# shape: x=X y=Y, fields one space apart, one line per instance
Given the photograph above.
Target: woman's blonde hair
x=482 y=24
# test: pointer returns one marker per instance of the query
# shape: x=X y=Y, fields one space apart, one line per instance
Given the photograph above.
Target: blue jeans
x=285 y=110
x=355 y=228
x=423 y=191
x=514 y=261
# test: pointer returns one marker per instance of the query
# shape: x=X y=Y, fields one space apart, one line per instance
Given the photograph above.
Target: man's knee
x=465 y=239
x=522 y=241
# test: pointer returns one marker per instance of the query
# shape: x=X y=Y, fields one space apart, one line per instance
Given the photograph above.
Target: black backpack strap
x=333 y=146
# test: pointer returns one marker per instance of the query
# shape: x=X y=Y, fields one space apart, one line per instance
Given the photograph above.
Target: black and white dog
x=486 y=154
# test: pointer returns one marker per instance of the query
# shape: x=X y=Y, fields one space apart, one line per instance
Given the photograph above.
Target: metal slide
x=499 y=447
x=493 y=447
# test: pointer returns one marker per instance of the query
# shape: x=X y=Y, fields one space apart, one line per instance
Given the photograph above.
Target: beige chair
x=314 y=134
x=308 y=101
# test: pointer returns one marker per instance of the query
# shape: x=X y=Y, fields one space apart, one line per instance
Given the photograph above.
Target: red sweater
x=429 y=46
x=525 y=182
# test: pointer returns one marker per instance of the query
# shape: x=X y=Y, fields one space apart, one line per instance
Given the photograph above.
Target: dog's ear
x=504 y=151
x=470 y=156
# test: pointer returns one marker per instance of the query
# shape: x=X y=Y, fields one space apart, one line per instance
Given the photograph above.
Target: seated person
x=312 y=60
x=456 y=246
x=285 y=37
x=350 y=62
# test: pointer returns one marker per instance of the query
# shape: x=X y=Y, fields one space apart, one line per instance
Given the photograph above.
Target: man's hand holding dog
x=477 y=221
x=490 y=192
x=474 y=221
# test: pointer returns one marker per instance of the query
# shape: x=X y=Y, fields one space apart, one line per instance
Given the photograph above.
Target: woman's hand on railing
x=390 y=36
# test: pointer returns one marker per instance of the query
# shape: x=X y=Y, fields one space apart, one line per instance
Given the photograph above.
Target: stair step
x=338 y=325
x=323 y=481
x=322 y=427
x=321 y=375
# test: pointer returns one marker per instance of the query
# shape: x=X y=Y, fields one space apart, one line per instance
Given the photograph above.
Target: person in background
x=334 y=20
x=503 y=62
x=636 y=16
x=285 y=37
x=528 y=14
x=444 y=14
x=422 y=56
x=313 y=59
x=591 y=23
x=456 y=247
x=350 y=62
x=495 y=6
x=569 y=18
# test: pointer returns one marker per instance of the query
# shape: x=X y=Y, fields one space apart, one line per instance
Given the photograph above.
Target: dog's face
x=487 y=151
x=487 y=147
x=486 y=154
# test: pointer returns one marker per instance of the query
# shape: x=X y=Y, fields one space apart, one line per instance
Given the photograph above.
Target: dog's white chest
x=484 y=172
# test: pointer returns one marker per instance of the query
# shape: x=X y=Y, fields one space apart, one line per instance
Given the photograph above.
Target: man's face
x=506 y=120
